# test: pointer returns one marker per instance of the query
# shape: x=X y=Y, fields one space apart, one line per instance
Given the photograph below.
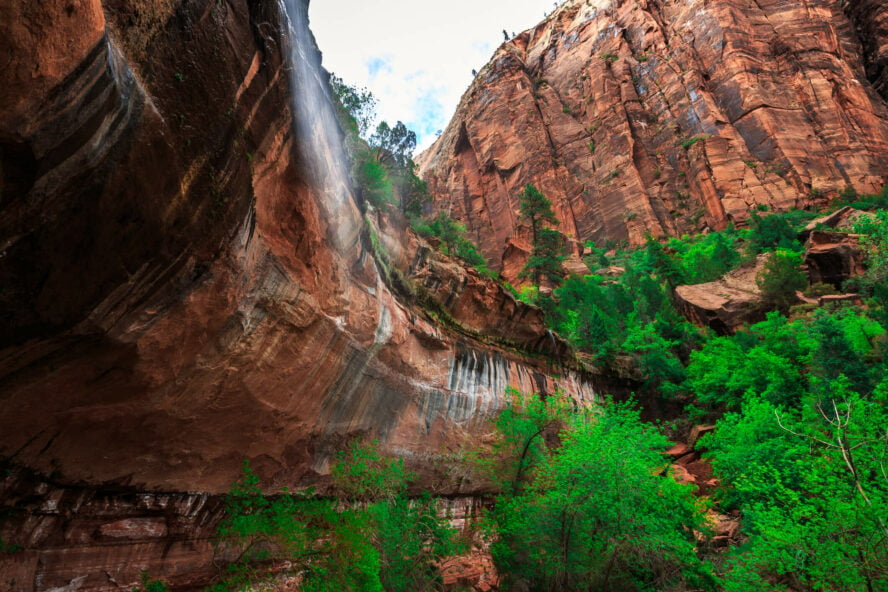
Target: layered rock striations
x=666 y=118
x=188 y=281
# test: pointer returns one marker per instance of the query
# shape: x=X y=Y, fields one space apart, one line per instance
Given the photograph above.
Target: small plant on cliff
x=149 y=585
x=691 y=141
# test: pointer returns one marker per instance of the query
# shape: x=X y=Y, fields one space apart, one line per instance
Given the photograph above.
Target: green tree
x=547 y=258
x=537 y=210
x=709 y=257
x=394 y=145
x=771 y=232
x=548 y=249
x=813 y=491
x=374 y=538
x=596 y=512
x=874 y=283
x=373 y=179
x=780 y=278
x=662 y=264
x=356 y=106
x=413 y=192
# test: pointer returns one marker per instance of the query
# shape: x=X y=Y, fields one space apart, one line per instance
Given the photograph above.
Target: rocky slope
x=649 y=116
x=188 y=282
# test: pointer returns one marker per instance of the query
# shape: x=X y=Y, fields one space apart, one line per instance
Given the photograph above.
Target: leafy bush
x=453 y=239
x=706 y=258
x=771 y=232
x=595 y=512
x=813 y=493
x=375 y=539
x=780 y=278
x=149 y=585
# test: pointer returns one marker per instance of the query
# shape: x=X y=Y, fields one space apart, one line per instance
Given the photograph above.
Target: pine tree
x=548 y=251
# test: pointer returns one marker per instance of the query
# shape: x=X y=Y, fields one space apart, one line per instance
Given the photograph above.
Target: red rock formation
x=665 y=118
x=82 y=538
x=187 y=282
x=833 y=257
x=870 y=18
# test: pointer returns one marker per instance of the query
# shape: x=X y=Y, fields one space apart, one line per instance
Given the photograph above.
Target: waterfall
x=318 y=139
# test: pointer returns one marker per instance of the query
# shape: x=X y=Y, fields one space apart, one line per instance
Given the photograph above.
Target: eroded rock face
x=833 y=257
x=187 y=279
x=188 y=282
x=88 y=539
x=666 y=118
x=870 y=18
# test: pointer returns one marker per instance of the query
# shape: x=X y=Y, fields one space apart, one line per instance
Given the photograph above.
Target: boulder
x=727 y=303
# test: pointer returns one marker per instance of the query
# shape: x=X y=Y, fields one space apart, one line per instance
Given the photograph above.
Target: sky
x=416 y=57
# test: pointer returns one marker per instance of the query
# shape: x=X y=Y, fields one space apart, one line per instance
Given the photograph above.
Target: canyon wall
x=188 y=282
x=641 y=117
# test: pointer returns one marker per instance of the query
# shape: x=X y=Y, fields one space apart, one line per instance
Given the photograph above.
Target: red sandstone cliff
x=187 y=279
x=667 y=117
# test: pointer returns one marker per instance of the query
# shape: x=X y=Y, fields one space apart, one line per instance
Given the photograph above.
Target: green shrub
x=373 y=538
x=771 y=232
x=595 y=512
x=781 y=278
x=149 y=585
x=453 y=239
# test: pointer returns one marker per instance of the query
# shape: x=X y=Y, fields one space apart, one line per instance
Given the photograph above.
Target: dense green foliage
x=374 y=538
x=707 y=257
x=394 y=145
x=631 y=316
x=587 y=503
x=356 y=106
x=800 y=403
x=802 y=445
x=771 y=232
x=453 y=239
x=873 y=285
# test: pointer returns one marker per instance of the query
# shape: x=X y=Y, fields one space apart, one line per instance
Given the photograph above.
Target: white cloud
x=416 y=57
